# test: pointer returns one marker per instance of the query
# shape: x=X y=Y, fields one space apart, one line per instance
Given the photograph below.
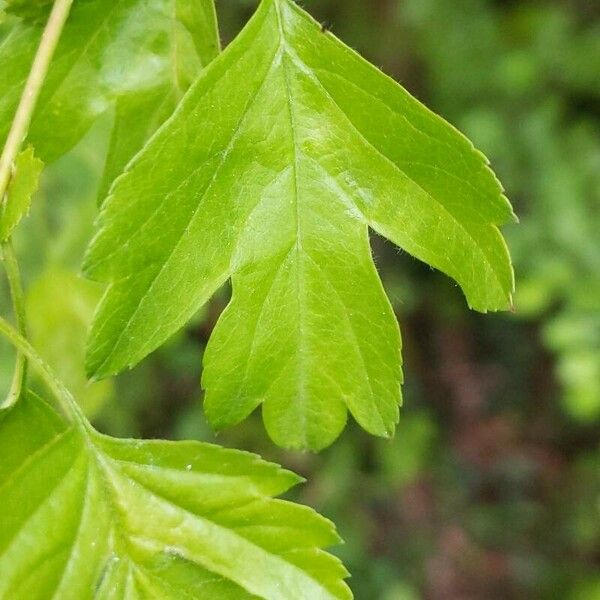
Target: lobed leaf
x=270 y=173
x=87 y=516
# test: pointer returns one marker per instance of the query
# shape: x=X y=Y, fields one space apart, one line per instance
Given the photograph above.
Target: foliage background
x=491 y=488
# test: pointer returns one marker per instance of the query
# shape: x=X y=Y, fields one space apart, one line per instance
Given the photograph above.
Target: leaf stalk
x=67 y=403
x=12 y=147
x=13 y=275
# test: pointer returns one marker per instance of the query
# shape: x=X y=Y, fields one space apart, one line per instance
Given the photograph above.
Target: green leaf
x=23 y=184
x=108 y=50
x=87 y=516
x=60 y=307
x=139 y=115
x=278 y=160
x=31 y=10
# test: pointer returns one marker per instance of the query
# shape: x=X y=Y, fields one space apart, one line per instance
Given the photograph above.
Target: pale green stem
x=31 y=91
x=14 y=142
x=67 y=403
x=18 y=300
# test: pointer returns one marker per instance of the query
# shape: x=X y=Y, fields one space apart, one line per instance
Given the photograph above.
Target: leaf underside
x=85 y=516
x=279 y=159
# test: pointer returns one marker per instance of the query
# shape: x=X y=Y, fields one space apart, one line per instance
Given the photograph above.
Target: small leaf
x=24 y=183
x=90 y=517
x=273 y=168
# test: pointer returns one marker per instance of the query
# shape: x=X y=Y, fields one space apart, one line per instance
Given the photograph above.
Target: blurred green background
x=491 y=487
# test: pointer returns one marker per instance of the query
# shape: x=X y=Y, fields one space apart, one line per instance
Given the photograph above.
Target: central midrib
x=300 y=276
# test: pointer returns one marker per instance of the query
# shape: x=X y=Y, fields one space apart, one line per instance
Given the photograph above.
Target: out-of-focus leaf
x=575 y=337
x=30 y=10
x=139 y=115
x=23 y=184
x=60 y=307
x=108 y=50
x=91 y=517
x=589 y=589
x=404 y=458
x=270 y=172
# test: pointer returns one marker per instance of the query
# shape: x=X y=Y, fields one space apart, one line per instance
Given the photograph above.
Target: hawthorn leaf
x=270 y=173
x=23 y=184
x=108 y=50
x=91 y=517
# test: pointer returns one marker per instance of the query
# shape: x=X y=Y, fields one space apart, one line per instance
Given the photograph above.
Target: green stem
x=31 y=91
x=67 y=403
x=18 y=300
x=14 y=142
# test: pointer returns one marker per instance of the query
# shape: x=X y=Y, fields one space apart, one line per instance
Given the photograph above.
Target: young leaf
x=108 y=50
x=278 y=160
x=90 y=517
x=23 y=184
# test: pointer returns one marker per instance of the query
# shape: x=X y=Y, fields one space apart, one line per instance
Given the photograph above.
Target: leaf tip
x=291 y=478
x=96 y=370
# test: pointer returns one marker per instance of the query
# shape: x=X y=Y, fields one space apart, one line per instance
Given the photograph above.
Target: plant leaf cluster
x=266 y=165
x=87 y=516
